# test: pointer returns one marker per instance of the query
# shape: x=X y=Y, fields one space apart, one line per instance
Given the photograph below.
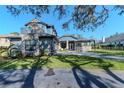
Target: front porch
x=69 y=45
x=75 y=46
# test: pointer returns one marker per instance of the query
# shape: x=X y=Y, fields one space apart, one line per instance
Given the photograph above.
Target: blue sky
x=9 y=23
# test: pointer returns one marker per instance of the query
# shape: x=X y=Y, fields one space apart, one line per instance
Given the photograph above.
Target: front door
x=63 y=45
x=71 y=46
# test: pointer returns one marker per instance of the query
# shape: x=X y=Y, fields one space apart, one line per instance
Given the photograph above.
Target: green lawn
x=109 y=52
x=61 y=62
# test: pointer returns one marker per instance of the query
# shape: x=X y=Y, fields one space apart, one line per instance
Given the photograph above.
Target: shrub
x=46 y=52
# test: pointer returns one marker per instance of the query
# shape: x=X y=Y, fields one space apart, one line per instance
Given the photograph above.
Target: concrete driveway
x=91 y=54
x=61 y=78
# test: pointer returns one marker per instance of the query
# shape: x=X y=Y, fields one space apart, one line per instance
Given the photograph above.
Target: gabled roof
x=69 y=38
x=72 y=38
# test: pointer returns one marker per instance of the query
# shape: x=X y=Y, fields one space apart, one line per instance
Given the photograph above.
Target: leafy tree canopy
x=15 y=33
x=82 y=17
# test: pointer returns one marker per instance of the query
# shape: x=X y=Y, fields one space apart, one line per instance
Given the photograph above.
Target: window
x=49 y=30
x=63 y=45
x=30 y=45
x=78 y=44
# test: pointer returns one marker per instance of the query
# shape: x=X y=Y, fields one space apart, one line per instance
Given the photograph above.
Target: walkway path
x=91 y=54
x=61 y=78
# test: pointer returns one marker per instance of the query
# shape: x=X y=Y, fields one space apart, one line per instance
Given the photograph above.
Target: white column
x=59 y=46
x=81 y=47
x=67 y=45
x=75 y=46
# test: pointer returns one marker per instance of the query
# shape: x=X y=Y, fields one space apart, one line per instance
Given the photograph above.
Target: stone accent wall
x=47 y=44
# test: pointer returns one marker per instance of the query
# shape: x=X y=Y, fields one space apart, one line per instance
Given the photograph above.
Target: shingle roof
x=73 y=38
x=65 y=38
x=114 y=38
x=10 y=36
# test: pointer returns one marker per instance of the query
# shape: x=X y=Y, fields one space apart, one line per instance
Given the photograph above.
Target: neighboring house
x=113 y=42
x=115 y=39
x=7 y=40
x=75 y=43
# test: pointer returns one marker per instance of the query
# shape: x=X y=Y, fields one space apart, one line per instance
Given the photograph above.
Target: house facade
x=115 y=39
x=38 y=37
x=46 y=36
x=75 y=43
x=113 y=42
x=35 y=37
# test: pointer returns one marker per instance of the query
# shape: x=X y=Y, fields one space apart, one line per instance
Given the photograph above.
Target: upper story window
x=49 y=30
x=42 y=28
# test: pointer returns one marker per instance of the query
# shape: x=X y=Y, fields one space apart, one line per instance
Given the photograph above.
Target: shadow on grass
x=14 y=63
x=29 y=81
x=83 y=77
x=106 y=67
x=75 y=61
x=11 y=65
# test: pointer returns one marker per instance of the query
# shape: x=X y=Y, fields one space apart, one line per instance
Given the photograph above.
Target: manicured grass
x=109 y=52
x=61 y=62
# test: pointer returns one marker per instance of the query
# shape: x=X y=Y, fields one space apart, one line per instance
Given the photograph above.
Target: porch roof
x=72 y=38
x=10 y=36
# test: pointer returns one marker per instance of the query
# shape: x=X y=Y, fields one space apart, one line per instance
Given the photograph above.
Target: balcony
x=27 y=30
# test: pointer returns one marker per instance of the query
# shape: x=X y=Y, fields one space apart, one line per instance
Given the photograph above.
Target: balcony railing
x=27 y=30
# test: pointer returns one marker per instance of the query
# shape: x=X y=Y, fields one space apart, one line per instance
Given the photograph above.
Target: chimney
x=103 y=39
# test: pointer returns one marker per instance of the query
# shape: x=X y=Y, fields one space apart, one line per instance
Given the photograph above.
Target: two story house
x=33 y=32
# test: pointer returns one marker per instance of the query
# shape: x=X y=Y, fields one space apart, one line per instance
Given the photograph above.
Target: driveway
x=61 y=78
x=91 y=54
